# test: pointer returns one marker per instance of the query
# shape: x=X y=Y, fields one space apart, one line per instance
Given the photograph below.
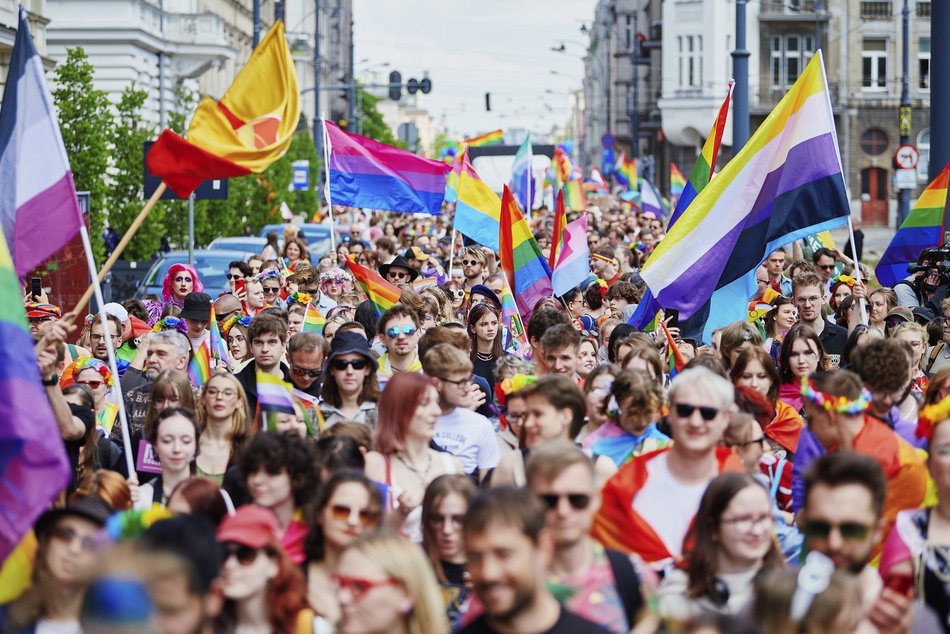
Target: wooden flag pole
x=124 y=242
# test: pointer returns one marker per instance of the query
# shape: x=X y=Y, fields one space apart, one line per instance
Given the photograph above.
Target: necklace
x=419 y=473
x=484 y=357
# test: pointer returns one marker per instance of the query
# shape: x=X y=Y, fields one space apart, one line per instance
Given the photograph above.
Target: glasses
x=515 y=416
x=684 y=410
x=271 y=289
x=814 y=299
x=235 y=277
x=746 y=523
x=213 y=392
x=341 y=513
x=458 y=293
x=398 y=275
x=69 y=535
x=578 y=501
x=826 y=267
x=93 y=385
x=305 y=372
x=459 y=382
x=244 y=554
x=343 y=364
x=186 y=280
x=98 y=338
x=437 y=521
x=309 y=291
x=394 y=332
x=358 y=587
x=469 y=262
x=849 y=531
x=746 y=443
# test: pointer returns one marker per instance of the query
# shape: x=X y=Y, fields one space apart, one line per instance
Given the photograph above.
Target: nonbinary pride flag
x=250 y=128
x=786 y=183
x=522 y=176
x=274 y=394
x=39 y=211
x=370 y=174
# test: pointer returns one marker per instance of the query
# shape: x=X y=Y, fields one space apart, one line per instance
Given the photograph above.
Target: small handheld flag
x=313 y=320
x=381 y=293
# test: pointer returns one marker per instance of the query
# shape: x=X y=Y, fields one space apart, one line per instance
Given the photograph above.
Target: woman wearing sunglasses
x=180 y=280
x=334 y=282
x=95 y=375
x=348 y=506
x=263 y=590
x=457 y=294
x=350 y=389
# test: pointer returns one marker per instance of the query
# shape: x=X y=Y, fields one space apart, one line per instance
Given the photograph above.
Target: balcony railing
x=923 y=10
x=877 y=10
x=789 y=7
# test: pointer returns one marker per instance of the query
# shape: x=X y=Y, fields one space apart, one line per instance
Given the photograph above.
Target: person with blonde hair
x=385 y=584
x=222 y=414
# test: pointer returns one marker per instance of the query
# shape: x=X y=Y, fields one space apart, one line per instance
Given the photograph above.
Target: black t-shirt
x=88 y=418
x=567 y=623
x=833 y=339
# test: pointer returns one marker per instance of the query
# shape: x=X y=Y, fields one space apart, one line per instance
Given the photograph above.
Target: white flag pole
x=326 y=188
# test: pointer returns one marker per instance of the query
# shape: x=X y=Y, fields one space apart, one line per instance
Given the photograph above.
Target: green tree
x=86 y=123
x=126 y=194
x=372 y=121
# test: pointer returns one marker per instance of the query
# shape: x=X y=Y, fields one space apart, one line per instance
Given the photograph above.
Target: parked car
x=212 y=267
x=249 y=245
x=317 y=237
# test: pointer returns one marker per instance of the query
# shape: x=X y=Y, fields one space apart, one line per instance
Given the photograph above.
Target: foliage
x=373 y=125
x=86 y=124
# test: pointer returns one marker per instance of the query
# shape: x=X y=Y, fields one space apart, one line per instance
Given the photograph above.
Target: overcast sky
x=470 y=48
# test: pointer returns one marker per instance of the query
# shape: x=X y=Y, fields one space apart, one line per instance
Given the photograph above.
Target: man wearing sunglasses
x=650 y=502
x=306 y=352
x=399 y=331
x=474 y=262
x=399 y=271
x=308 y=281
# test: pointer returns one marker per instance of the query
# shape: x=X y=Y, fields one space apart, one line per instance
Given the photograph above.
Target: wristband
x=54 y=380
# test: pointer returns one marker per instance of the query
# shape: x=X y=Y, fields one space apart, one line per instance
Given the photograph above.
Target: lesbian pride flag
x=39 y=212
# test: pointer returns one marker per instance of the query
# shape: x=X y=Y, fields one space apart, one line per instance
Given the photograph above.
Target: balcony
x=794 y=11
x=877 y=10
x=923 y=10
x=204 y=29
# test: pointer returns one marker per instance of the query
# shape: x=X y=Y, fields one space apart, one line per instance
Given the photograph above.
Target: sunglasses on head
x=341 y=513
x=684 y=410
x=244 y=554
x=343 y=364
x=850 y=531
x=394 y=332
x=578 y=501
x=305 y=372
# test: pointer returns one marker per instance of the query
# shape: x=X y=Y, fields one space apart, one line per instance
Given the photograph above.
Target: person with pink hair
x=335 y=282
x=180 y=280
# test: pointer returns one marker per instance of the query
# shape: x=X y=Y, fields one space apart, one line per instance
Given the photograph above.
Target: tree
x=126 y=195
x=372 y=121
x=86 y=123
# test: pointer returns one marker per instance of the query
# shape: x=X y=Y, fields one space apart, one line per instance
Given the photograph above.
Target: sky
x=502 y=47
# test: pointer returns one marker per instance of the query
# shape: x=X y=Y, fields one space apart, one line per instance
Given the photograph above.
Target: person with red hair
x=403 y=458
x=180 y=280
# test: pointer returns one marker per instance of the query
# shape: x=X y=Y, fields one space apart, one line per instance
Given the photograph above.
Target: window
x=923 y=63
x=629 y=35
x=874 y=65
x=923 y=146
x=789 y=55
x=679 y=59
x=874 y=142
x=690 y=61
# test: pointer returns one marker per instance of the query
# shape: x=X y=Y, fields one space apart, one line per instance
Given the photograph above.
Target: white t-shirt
x=470 y=437
x=667 y=504
x=45 y=626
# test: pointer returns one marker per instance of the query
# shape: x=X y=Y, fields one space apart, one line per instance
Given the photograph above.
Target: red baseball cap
x=251 y=525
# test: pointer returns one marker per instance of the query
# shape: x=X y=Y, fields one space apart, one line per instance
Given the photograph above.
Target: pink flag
x=573 y=263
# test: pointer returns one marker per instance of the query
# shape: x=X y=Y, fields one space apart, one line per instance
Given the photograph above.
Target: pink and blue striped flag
x=367 y=173
x=573 y=263
x=528 y=273
x=39 y=211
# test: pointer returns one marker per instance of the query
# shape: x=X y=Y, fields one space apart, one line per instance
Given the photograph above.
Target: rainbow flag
x=651 y=326
x=626 y=171
x=677 y=181
x=495 y=137
x=574 y=195
x=274 y=395
x=313 y=320
x=517 y=338
x=706 y=161
x=219 y=345
x=563 y=167
x=557 y=234
x=477 y=208
x=922 y=229
x=199 y=368
x=785 y=184
x=383 y=294
x=674 y=358
x=528 y=273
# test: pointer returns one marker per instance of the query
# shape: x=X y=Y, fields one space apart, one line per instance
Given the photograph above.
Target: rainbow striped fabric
x=383 y=294
x=274 y=395
x=517 y=338
x=786 y=183
x=626 y=171
x=313 y=320
x=199 y=368
x=528 y=273
x=477 y=207
x=557 y=232
x=922 y=229
x=219 y=345
x=495 y=137
x=674 y=358
x=677 y=180
x=574 y=195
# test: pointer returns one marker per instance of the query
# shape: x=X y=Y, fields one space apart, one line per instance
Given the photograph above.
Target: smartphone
x=901 y=584
x=239 y=286
x=36 y=288
x=674 y=318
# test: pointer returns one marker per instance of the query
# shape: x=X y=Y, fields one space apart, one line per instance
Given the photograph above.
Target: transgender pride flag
x=39 y=212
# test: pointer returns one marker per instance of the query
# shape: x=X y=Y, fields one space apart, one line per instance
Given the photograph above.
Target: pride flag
x=477 y=208
x=495 y=137
x=674 y=358
x=528 y=273
x=383 y=294
x=626 y=171
x=573 y=263
x=517 y=339
x=677 y=180
x=313 y=320
x=557 y=233
x=367 y=173
x=650 y=199
x=274 y=395
x=250 y=128
x=199 y=368
x=452 y=179
x=563 y=167
x=922 y=229
x=522 y=176
x=39 y=211
x=574 y=195
x=786 y=183
x=219 y=346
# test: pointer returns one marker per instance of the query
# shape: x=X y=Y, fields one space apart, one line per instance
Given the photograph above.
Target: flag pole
x=326 y=186
x=117 y=252
x=452 y=249
x=857 y=270
x=110 y=350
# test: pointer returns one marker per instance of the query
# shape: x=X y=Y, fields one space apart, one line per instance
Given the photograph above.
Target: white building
x=36 y=14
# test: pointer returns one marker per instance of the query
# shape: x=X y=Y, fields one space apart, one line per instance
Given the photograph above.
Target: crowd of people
x=437 y=474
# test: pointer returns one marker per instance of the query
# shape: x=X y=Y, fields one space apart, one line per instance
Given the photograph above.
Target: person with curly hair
x=635 y=405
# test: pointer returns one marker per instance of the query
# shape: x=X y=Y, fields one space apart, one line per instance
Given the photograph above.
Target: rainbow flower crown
x=931 y=416
x=831 y=403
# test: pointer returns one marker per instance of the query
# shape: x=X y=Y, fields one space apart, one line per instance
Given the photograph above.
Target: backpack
x=627 y=582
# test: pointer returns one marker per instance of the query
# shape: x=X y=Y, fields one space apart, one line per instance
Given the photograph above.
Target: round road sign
x=906 y=157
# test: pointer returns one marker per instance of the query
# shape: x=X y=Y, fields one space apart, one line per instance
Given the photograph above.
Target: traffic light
x=425 y=85
x=412 y=86
x=395 y=85
x=487 y=102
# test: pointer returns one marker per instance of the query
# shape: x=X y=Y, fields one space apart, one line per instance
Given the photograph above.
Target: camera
x=935 y=258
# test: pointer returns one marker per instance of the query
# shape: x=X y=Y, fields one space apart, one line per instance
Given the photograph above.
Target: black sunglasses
x=850 y=531
x=578 y=501
x=271 y=289
x=684 y=410
x=342 y=364
x=305 y=372
x=244 y=554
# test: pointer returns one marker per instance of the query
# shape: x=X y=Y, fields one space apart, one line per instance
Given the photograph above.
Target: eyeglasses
x=89 y=543
x=343 y=364
x=93 y=385
x=515 y=416
x=437 y=521
x=213 y=392
x=244 y=554
x=684 y=410
x=358 y=587
x=305 y=372
x=579 y=501
x=470 y=262
x=183 y=279
x=459 y=382
x=398 y=275
x=849 y=531
x=271 y=289
x=395 y=331
x=458 y=293
x=341 y=513
x=746 y=523
x=98 y=338
x=309 y=291
x=746 y=443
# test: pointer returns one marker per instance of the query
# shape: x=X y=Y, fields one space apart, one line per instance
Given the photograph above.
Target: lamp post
x=740 y=94
x=904 y=116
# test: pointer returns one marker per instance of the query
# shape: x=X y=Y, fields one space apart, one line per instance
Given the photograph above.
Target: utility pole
x=939 y=88
x=349 y=76
x=904 y=116
x=634 y=81
x=256 y=16
x=740 y=94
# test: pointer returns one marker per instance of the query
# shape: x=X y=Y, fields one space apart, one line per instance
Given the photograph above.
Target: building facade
x=36 y=14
